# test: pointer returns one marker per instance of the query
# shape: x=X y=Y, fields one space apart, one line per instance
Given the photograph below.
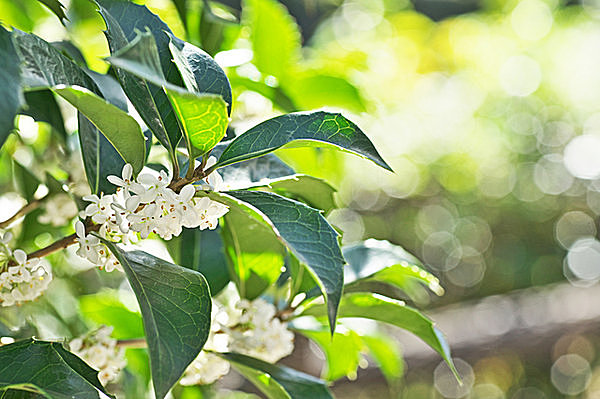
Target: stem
x=33 y=205
x=132 y=343
x=61 y=244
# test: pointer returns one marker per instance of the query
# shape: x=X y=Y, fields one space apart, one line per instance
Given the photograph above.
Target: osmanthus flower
x=101 y=352
x=59 y=209
x=141 y=207
x=24 y=281
x=258 y=333
x=246 y=327
x=214 y=180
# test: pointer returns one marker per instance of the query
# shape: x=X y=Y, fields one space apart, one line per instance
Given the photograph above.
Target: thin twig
x=132 y=343
x=31 y=206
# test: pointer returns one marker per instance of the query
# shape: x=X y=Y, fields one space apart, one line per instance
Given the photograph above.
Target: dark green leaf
x=100 y=158
x=310 y=238
x=41 y=106
x=202 y=117
x=203 y=251
x=342 y=351
x=200 y=73
x=275 y=37
x=254 y=251
x=57 y=8
x=121 y=130
x=123 y=22
x=50 y=367
x=43 y=66
x=70 y=50
x=278 y=381
x=175 y=304
x=105 y=308
x=23 y=391
x=10 y=85
x=323 y=127
x=383 y=262
x=25 y=181
x=387 y=310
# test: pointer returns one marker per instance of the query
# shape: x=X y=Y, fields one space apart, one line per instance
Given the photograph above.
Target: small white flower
x=100 y=351
x=58 y=210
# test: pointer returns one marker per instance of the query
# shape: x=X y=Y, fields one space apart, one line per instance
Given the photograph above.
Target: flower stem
x=33 y=205
x=132 y=343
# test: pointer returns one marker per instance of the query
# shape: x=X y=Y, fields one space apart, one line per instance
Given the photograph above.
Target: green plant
x=255 y=260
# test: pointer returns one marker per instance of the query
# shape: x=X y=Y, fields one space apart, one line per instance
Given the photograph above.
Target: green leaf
x=50 y=367
x=310 y=238
x=278 y=381
x=202 y=117
x=57 y=8
x=316 y=90
x=394 y=312
x=123 y=22
x=26 y=182
x=383 y=262
x=41 y=106
x=100 y=158
x=342 y=351
x=275 y=37
x=387 y=354
x=253 y=250
x=200 y=73
x=323 y=127
x=202 y=251
x=105 y=308
x=23 y=391
x=10 y=85
x=311 y=190
x=117 y=126
x=43 y=66
x=253 y=173
x=175 y=304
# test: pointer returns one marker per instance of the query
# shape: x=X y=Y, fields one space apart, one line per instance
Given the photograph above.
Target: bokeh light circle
x=571 y=374
x=445 y=382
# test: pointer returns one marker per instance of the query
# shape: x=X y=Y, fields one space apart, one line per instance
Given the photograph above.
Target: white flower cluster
x=59 y=209
x=101 y=352
x=21 y=279
x=258 y=333
x=140 y=207
x=249 y=328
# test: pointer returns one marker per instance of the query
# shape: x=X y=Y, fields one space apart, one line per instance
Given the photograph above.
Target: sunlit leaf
x=57 y=8
x=342 y=351
x=275 y=37
x=391 y=311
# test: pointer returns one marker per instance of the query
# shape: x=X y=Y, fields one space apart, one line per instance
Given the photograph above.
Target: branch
x=33 y=205
x=132 y=343
x=62 y=243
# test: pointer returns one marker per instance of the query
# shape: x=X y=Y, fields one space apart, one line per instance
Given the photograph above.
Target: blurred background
x=489 y=113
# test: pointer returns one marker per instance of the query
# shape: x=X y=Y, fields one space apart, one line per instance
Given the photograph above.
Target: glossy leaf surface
x=278 y=382
x=308 y=235
x=10 y=85
x=320 y=126
x=176 y=305
x=50 y=367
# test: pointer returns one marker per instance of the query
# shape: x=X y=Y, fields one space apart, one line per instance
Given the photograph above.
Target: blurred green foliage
x=479 y=114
